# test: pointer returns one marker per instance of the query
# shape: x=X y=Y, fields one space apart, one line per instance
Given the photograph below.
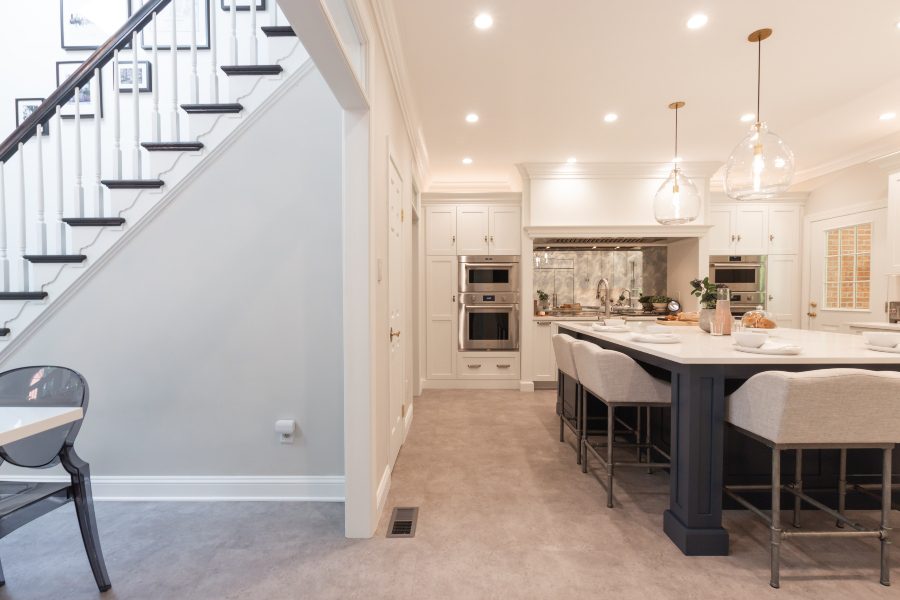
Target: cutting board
x=677 y=323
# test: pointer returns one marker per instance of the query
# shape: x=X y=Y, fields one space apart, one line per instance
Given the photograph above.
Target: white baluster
x=175 y=126
x=274 y=14
x=98 y=187
x=214 y=72
x=4 y=256
x=79 y=188
x=61 y=227
x=234 y=48
x=23 y=246
x=154 y=68
x=117 y=126
x=41 y=226
x=136 y=108
x=254 y=43
x=195 y=80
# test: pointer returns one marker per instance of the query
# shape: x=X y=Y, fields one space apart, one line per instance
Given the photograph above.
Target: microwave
x=745 y=273
x=488 y=274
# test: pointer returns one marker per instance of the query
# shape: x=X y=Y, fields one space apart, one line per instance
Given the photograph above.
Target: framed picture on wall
x=182 y=10
x=127 y=76
x=86 y=24
x=91 y=100
x=243 y=5
x=24 y=108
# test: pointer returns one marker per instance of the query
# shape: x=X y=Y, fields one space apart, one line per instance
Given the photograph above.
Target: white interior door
x=847 y=278
x=396 y=287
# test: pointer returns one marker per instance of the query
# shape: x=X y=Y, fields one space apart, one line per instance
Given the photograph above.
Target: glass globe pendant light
x=761 y=165
x=677 y=200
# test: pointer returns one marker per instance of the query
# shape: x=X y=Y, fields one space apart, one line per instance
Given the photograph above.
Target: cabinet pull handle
x=771 y=297
x=454 y=298
x=503 y=366
x=485 y=239
x=771 y=237
x=544 y=323
x=453 y=239
x=732 y=237
x=474 y=366
x=492 y=239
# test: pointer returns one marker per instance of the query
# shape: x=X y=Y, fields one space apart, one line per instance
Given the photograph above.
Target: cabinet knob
x=771 y=297
x=733 y=237
x=771 y=237
x=485 y=239
x=739 y=237
x=492 y=239
x=454 y=298
x=453 y=239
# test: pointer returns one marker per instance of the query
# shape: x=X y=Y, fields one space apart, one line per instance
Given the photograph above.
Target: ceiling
x=543 y=77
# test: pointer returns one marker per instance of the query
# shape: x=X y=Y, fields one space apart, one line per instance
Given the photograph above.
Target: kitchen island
x=702 y=369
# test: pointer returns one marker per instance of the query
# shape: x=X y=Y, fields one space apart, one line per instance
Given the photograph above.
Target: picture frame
x=83 y=27
x=240 y=5
x=24 y=108
x=145 y=77
x=91 y=94
x=182 y=25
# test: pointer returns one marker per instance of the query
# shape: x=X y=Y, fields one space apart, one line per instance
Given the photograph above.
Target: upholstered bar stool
x=826 y=409
x=562 y=348
x=618 y=381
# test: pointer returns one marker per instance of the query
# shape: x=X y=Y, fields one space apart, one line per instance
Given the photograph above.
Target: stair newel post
x=175 y=126
x=195 y=80
x=41 y=225
x=234 y=48
x=79 y=187
x=4 y=256
x=61 y=227
x=98 y=160
x=214 y=73
x=23 y=218
x=154 y=69
x=117 y=125
x=136 y=107
x=254 y=43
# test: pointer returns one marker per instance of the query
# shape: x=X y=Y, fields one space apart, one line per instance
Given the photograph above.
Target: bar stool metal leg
x=649 y=444
x=638 y=437
x=562 y=406
x=798 y=485
x=842 y=485
x=584 y=432
x=886 y=517
x=775 y=542
x=610 y=434
x=580 y=419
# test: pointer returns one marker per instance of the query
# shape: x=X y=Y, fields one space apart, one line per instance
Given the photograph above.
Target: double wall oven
x=488 y=303
x=745 y=276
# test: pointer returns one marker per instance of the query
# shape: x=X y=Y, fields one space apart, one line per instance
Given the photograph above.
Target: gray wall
x=222 y=315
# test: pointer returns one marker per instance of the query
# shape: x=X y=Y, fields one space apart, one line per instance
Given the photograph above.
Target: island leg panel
x=694 y=518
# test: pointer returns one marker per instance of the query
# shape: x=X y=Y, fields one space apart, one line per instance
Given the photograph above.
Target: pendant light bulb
x=761 y=165
x=677 y=200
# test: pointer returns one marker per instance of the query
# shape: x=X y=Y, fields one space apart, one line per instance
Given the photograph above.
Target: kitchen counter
x=875 y=325
x=595 y=318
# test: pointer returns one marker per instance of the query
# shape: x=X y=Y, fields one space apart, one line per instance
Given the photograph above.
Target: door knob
x=813 y=303
x=811 y=314
x=394 y=333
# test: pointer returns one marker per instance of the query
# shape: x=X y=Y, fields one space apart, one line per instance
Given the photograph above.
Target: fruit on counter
x=758 y=319
x=689 y=316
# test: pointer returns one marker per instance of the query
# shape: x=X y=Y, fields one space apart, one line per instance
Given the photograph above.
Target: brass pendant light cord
x=758 y=78
x=676 y=137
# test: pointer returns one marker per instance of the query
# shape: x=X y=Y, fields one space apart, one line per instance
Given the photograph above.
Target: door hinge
x=401 y=215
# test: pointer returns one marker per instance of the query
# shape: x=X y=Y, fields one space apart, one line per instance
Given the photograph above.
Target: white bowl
x=888 y=339
x=614 y=322
x=750 y=339
x=650 y=328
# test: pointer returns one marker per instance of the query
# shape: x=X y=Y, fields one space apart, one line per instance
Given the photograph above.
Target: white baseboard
x=283 y=488
x=384 y=486
x=471 y=384
x=526 y=386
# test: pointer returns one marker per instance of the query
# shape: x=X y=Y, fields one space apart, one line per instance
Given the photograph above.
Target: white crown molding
x=471 y=197
x=783 y=198
x=449 y=186
x=703 y=170
x=878 y=154
x=888 y=162
x=386 y=25
x=578 y=231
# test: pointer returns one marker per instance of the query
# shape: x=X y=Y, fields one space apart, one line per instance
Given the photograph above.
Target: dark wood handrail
x=81 y=76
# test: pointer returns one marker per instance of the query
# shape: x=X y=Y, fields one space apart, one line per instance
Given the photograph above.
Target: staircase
x=44 y=257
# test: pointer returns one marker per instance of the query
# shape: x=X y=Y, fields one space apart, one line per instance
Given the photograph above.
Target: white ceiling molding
x=785 y=198
x=386 y=24
x=871 y=153
x=617 y=231
x=703 y=170
x=470 y=186
x=888 y=162
x=472 y=197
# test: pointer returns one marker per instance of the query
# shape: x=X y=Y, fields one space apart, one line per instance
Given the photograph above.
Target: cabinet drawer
x=487 y=367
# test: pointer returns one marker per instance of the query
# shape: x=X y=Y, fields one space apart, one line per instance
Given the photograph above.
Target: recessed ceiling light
x=484 y=21
x=697 y=21
x=898 y=24
x=610 y=117
x=593 y=247
x=571 y=160
x=471 y=118
x=888 y=116
x=746 y=118
x=467 y=161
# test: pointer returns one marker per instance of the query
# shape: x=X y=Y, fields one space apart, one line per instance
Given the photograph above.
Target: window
x=848 y=262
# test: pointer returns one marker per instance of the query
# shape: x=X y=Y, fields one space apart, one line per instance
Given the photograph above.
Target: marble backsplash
x=573 y=275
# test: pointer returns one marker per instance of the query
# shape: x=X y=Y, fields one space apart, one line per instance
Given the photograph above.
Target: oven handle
x=477 y=306
x=488 y=265
x=748 y=265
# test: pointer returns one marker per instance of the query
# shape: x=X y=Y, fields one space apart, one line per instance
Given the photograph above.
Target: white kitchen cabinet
x=440 y=230
x=893 y=224
x=751 y=229
x=543 y=364
x=441 y=316
x=721 y=236
x=783 y=274
x=472 y=229
x=488 y=365
x=505 y=230
x=784 y=229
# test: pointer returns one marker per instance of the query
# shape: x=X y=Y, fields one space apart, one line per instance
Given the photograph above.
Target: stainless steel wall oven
x=489 y=321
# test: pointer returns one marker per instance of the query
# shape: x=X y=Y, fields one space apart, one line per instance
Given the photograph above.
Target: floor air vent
x=403 y=522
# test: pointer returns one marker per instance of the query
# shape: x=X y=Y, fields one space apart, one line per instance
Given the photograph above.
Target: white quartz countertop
x=20 y=422
x=875 y=325
x=698 y=347
x=593 y=318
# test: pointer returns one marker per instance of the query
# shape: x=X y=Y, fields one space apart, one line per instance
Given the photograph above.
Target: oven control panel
x=488 y=299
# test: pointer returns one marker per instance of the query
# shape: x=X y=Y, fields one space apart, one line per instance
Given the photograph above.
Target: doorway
x=396 y=291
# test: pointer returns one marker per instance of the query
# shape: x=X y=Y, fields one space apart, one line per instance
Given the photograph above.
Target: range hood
x=622 y=236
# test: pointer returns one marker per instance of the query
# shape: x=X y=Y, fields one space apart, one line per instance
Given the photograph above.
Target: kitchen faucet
x=604 y=282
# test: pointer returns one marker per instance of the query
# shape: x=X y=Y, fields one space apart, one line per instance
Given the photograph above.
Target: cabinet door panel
x=440 y=230
x=544 y=362
x=784 y=230
x=782 y=286
x=472 y=226
x=440 y=358
x=505 y=227
x=720 y=236
x=751 y=228
x=441 y=303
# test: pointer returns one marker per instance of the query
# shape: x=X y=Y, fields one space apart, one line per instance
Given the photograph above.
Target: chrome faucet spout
x=604 y=283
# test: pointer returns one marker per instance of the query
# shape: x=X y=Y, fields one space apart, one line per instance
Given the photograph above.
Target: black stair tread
x=227 y=107
x=132 y=183
x=55 y=258
x=93 y=221
x=23 y=295
x=279 y=31
x=171 y=146
x=4 y=331
x=252 y=69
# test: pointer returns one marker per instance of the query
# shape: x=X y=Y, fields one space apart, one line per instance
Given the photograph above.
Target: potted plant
x=543 y=299
x=646 y=303
x=659 y=303
x=705 y=290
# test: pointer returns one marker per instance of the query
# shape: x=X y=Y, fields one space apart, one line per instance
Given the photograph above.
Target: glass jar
x=759 y=319
x=723 y=318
